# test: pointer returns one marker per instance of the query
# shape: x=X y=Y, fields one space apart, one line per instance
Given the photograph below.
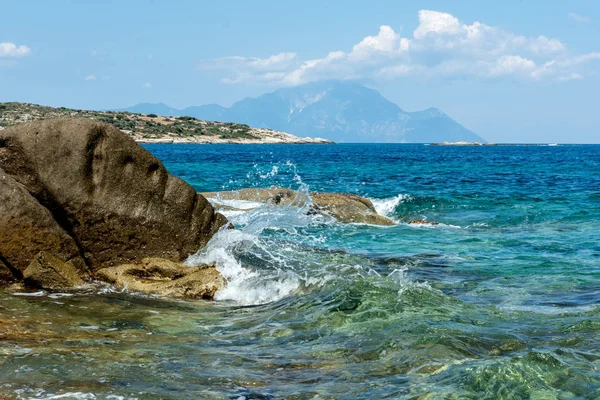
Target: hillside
x=151 y=128
x=336 y=110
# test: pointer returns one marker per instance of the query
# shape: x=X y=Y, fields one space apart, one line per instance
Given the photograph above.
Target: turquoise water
x=499 y=301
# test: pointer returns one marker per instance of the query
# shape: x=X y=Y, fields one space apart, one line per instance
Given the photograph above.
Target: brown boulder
x=6 y=275
x=347 y=208
x=112 y=197
x=165 y=278
x=27 y=228
x=48 y=272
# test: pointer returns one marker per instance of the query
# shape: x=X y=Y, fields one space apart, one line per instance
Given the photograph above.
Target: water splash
x=387 y=206
x=272 y=274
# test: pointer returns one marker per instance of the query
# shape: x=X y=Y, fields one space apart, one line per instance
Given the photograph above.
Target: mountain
x=339 y=111
x=149 y=108
x=211 y=112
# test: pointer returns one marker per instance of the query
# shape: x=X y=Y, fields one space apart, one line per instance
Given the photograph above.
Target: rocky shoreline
x=264 y=136
x=79 y=196
x=151 y=128
x=81 y=201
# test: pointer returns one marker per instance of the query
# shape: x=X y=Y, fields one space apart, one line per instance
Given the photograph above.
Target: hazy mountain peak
x=343 y=111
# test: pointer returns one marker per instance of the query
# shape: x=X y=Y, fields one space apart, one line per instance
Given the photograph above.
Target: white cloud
x=386 y=42
x=582 y=59
x=433 y=22
x=543 y=45
x=506 y=65
x=8 y=49
x=147 y=85
x=579 y=18
x=275 y=62
x=90 y=78
x=440 y=46
x=94 y=53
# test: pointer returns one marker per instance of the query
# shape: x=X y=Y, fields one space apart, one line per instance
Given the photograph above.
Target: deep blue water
x=499 y=301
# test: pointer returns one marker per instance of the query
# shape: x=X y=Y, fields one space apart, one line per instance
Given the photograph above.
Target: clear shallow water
x=502 y=300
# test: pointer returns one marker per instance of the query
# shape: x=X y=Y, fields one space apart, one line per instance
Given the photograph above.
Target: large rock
x=27 y=228
x=344 y=207
x=349 y=208
x=165 y=278
x=49 y=272
x=6 y=275
x=99 y=194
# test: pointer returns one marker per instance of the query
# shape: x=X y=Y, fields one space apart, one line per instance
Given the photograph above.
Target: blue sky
x=512 y=71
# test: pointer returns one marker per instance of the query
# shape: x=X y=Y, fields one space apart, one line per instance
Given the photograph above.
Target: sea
x=500 y=300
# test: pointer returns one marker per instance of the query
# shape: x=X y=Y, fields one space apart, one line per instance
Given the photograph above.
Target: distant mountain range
x=345 y=112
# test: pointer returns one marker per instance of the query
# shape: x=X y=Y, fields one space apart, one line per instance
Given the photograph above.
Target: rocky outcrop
x=49 y=272
x=6 y=275
x=28 y=227
x=165 y=278
x=87 y=194
x=344 y=207
x=349 y=208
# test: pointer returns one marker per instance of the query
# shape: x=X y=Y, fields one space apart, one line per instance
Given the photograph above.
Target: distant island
x=342 y=111
x=152 y=128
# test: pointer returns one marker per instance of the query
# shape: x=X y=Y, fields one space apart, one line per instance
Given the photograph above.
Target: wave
x=278 y=251
x=271 y=274
x=439 y=225
x=387 y=207
x=233 y=208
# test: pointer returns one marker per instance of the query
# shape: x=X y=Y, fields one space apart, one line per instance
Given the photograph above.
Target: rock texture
x=347 y=208
x=28 y=227
x=165 y=278
x=49 y=272
x=88 y=194
x=6 y=275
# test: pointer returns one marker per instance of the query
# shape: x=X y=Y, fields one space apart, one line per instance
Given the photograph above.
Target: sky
x=511 y=71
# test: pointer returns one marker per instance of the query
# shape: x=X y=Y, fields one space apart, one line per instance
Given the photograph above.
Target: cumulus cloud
x=90 y=78
x=8 y=49
x=506 y=65
x=437 y=23
x=440 y=46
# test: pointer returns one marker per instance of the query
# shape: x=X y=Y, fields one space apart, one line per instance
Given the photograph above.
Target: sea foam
x=387 y=206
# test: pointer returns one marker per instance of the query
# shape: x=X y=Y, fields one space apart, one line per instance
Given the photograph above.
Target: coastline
x=217 y=140
x=154 y=129
x=259 y=136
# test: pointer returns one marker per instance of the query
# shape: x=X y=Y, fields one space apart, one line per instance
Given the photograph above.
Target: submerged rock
x=165 y=278
x=344 y=207
x=86 y=193
x=49 y=272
